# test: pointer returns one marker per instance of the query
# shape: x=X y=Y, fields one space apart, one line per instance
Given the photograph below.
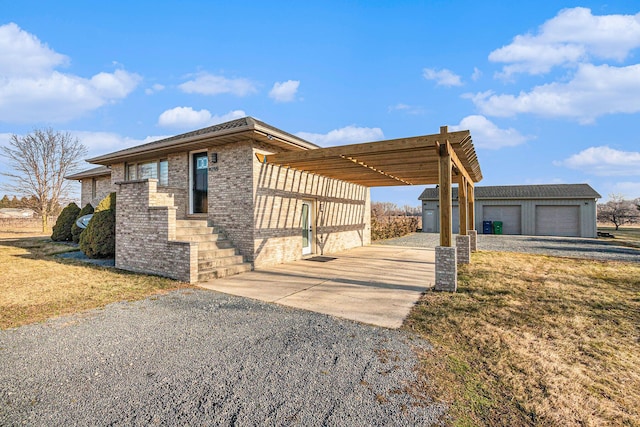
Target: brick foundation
x=446 y=269
x=473 y=237
x=463 y=249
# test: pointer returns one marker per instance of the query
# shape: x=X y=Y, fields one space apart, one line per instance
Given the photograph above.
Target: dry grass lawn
x=626 y=235
x=36 y=285
x=535 y=340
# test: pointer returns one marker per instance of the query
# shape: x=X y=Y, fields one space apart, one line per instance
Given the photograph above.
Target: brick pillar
x=446 y=269
x=473 y=237
x=463 y=249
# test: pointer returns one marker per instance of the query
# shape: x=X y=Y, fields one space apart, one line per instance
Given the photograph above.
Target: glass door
x=307 y=231
x=200 y=182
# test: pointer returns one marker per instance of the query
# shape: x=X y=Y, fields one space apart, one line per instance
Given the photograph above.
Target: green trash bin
x=497 y=227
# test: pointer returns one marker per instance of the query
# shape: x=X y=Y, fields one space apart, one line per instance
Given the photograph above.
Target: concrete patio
x=374 y=284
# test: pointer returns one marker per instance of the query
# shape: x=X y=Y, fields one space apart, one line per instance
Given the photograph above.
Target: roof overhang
x=405 y=161
x=90 y=173
x=238 y=130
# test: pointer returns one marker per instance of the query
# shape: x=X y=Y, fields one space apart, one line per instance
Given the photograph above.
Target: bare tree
x=618 y=211
x=40 y=160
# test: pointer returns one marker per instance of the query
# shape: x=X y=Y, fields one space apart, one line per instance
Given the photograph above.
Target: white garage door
x=509 y=215
x=558 y=221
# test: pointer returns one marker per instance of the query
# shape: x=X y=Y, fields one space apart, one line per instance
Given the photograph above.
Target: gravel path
x=195 y=357
x=557 y=246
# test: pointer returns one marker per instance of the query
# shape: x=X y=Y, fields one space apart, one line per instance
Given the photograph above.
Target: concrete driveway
x=373 y=284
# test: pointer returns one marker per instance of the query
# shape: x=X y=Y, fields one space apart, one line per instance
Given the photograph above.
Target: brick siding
x=146 y=231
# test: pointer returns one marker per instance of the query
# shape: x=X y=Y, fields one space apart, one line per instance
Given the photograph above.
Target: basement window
x=157 y=169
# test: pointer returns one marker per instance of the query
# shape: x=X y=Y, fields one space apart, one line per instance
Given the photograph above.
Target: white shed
x=534 y=210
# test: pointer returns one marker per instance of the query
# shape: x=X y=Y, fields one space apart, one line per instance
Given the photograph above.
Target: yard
x=535 y=340
x=36 y=286
x=527 y=339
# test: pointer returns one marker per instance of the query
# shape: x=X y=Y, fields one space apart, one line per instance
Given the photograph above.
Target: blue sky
x=549 y=90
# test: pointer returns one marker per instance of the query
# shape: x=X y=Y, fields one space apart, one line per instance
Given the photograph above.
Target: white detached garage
x=535 y=210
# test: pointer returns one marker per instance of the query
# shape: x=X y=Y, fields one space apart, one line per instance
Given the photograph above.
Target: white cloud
x=209 y=84
x=477 y=73
x=487 y=135
x=99 y=143
x=153 y=89
x=22 y=54
x=594 y=91
x=604 y=161
x=572 y=36
x=31 y=90
x=630 y=190
x=346 y=135
x=409 y=109
x=187 y=117
x=285 y=91
x=442 y=77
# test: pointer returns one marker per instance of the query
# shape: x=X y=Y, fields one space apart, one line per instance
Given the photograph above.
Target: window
x=157 y=169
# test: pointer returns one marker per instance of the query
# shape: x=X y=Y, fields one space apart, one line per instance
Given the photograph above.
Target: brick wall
x=104 y=186
x=231 y=194
x=145 y=233
x=341 y=213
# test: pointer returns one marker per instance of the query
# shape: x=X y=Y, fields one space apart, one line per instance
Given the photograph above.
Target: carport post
x=473 y=233
x=463 y=242
x=446 y=264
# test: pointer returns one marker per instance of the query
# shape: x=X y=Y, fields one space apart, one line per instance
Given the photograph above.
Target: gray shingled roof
x=545 y=191
x=244 y=124
x=90 y=173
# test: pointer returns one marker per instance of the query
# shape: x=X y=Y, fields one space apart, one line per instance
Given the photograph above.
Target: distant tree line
x=391 y=209
x=25 y=203
x=619 y=211
x=389 y=221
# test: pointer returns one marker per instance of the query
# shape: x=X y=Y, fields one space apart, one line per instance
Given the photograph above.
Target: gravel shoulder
x=195 y=357
x=572 y=247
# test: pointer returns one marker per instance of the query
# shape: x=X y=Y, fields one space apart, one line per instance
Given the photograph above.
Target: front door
x=307 y=231
x=200 y=182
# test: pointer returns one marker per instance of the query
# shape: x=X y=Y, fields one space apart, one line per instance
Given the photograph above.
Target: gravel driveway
x=573 y=247
x=195 y=357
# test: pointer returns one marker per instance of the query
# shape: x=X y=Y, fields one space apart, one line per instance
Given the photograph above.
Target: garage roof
x=545 y=191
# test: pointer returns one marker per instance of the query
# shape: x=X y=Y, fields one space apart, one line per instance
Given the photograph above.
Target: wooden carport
x=442 y=159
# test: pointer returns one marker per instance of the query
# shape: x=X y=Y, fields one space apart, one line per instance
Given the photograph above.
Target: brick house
x=202 y=204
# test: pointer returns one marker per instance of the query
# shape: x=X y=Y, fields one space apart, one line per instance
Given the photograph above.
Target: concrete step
x=192 y=223
x=210 y=254
x=197 y=230
x=219 y=273
x=209 y=264
x=218 y=244
x=186 y=237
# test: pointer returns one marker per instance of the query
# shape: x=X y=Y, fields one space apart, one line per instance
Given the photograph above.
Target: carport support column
x=473 y=240
x=471 y=213
x=446 y=263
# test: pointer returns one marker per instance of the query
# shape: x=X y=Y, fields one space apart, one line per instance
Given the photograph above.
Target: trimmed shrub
x=75 y=230
x=107 y=203
x=62 y=229
x=99 y=238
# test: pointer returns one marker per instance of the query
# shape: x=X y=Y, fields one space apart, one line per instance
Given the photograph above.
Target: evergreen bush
x=99 y=238
x=75 y=230
x=62 y=229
